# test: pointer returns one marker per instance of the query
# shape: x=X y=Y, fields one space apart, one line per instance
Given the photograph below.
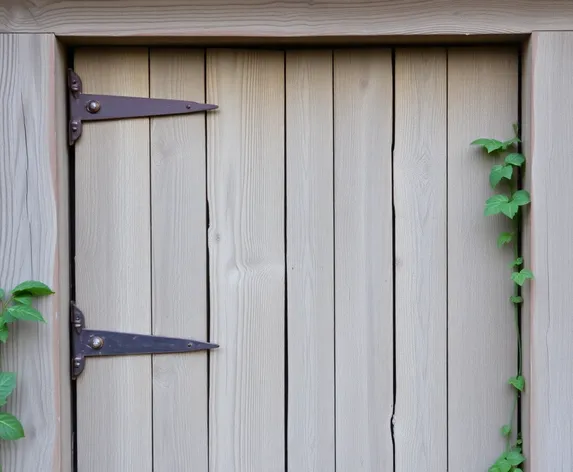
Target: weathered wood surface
x=482 y=102
x=310 y=261
x=420 y=187
x=33 y=245
x=179 y=262
x=551 y=379
x=245 y=167
x=289 y=18
x=363 y=259
x=113 y=282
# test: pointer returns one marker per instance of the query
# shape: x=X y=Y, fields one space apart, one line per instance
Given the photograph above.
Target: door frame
x=389 y=22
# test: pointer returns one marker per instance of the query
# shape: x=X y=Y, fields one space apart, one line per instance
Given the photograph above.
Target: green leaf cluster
x=18 y=306
x=509 y=202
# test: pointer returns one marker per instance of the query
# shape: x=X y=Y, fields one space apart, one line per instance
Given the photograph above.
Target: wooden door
x=319 y=226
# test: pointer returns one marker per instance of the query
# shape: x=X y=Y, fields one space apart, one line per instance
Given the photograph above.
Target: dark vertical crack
x=392 y=419
x=72 y=269
x=207 y=264
x=27 y=190
x=519 y=238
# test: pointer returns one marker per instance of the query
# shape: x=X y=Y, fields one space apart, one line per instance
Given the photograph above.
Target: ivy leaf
x=504 y=238
x=503 y=465
x=505 y=430
x=520 y=277
x=490 y=145
x=521 y=197
x=519 y=383
x=515 y=299
x=500 y=172
x=494 y=205
x=2 y=293
x=515 y=457
x=24 y=299
x=4 y=334
x=510 y=142
x=517 y=469
x=517 y=262
x=25 y=313
x=7 y=384
x=510 y=209
x=10 y=428
x=515 y=159
x=33 y=287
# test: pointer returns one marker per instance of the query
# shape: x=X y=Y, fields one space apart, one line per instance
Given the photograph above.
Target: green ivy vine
x=17 y=306
x=509 y=202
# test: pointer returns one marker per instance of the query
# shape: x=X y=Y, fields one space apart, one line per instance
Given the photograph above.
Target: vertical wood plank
x=310 y=261
x=113 y=265
x=33 y=245
x=363 y=259
x=551 y=168
x=420 y=187
x=245 y=164
x=526 y=222
x=179 y=262
x=482 y=102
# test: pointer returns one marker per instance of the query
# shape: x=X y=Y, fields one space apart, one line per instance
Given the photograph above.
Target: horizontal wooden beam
x=284 y=18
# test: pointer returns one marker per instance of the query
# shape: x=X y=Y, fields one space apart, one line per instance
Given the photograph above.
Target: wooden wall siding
x=310 y=260
x=482 y=102
x=354 y=285
x=113 y=283
x=420 y=188
x=551 y=169
x=178 y=243
x=33 y=244
x=245 y=168
x=363 y=259
x=289 y=18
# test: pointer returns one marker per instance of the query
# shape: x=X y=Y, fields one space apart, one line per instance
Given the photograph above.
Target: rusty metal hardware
x=91 y=107
x=96 y=343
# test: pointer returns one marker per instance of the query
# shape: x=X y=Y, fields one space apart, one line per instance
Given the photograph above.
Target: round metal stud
x=93 y=106
x=96 y=342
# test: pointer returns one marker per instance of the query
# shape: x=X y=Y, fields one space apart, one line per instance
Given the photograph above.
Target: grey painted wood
x=420 y=214
x=551 y=379
x=113 y=282
x=33 y=245
x=179 y=262
x=363 y=259
x=310 y=261
x=245 y=167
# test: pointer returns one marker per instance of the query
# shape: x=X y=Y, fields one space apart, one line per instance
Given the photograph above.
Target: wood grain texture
x=551 y=168
x=420 y=203
x=33 y=215
x=363 y=259
x=245 y=164
x=112 y=225
x=284 y=18
x=482 y=102
x=179 y=262
x=310 y=261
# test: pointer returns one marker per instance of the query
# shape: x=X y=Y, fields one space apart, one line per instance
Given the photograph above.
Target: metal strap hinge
x=91 y=107
x=97 y=343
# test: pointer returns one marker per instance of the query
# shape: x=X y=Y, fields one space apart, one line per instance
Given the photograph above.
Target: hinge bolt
x=96 y=343
x=75 y=125
x=93 y=106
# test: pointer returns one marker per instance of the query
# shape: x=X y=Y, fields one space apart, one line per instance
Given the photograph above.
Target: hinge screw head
x=93 y=106
x=96 y=342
